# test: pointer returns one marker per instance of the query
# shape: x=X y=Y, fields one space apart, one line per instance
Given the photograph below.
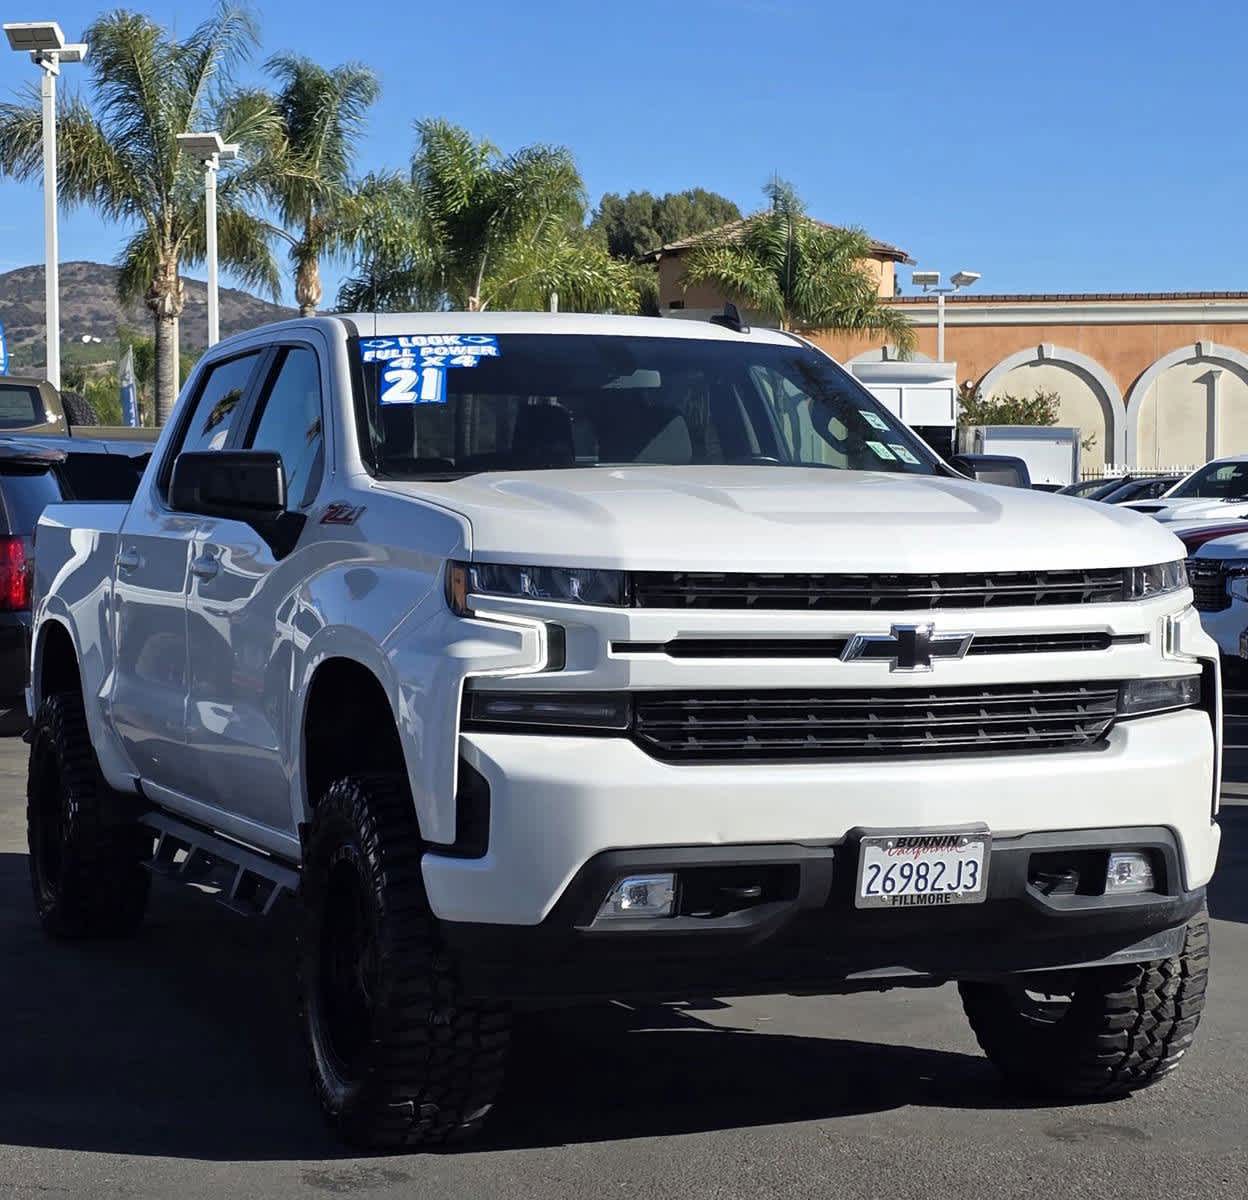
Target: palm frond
x=568 y=262
x=745 y=278
x=208 y=56
x=138 y=264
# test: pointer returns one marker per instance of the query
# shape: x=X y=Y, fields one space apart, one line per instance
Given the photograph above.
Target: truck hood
x=785 y=518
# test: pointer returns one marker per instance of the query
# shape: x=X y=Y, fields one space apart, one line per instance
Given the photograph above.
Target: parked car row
x=1121 y=488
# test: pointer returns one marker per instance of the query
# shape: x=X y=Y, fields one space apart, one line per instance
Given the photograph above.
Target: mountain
x=89 y=305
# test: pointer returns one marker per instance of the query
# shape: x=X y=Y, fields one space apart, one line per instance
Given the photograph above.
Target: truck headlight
x=564 y=585
x=1144 y=582
x=590 y=712
x=1139 y=697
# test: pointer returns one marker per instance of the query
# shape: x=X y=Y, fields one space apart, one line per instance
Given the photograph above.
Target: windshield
x=1216 y=481
x=442 y=406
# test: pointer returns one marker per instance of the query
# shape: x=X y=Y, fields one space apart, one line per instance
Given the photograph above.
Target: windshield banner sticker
x=415 y=365
x=882 y=451
x=873 y=419
x=902 y=453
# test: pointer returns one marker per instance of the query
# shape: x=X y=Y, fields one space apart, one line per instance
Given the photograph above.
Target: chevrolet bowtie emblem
x=908 y=647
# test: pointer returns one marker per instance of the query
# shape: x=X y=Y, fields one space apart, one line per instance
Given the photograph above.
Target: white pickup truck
x=549 y=658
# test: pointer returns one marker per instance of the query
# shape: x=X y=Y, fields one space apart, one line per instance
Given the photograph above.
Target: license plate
x=922 y=870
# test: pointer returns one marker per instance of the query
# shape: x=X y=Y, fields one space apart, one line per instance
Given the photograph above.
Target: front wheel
x=399 y=1057
x=1098 y=1033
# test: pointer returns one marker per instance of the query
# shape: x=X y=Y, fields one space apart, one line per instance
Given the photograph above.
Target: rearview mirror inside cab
x=242 y=485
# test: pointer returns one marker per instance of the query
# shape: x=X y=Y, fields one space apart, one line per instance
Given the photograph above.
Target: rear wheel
x=1096 y=1033
x=399 y=1057
x=86 y=847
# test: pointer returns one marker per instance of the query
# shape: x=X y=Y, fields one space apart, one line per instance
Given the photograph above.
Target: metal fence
x=1111 y=471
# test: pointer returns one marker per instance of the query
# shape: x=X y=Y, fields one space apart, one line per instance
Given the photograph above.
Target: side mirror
x=1003 y=469
x=242 y=485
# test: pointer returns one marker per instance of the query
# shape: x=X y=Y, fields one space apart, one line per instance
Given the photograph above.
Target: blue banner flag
x=129 y=393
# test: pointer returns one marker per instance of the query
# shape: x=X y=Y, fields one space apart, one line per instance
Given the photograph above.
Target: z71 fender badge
x=342 y=514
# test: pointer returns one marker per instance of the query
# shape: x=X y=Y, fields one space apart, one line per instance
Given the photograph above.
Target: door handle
x=205 y=566
x=129 y=559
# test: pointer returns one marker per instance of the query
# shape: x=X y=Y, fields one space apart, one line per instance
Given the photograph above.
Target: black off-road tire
x=87 y=848
x=399 y=1057
x=1122 y=1029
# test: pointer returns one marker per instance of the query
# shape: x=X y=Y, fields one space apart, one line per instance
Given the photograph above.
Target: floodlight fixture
x=36 y=37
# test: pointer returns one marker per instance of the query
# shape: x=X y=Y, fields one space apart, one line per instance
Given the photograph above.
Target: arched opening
x=1088 y=397
x=1191 y=405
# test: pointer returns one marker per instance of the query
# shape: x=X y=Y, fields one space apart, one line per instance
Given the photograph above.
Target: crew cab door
x=148 y=699
x=244 y=585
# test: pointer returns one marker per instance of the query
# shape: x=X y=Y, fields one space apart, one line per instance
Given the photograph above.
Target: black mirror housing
x=241 y=485
x=1004 y=469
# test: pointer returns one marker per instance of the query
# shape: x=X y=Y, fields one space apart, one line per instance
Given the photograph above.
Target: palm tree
x=474 y=229
x=322 y=113
x=797 y=271
x=122 y=158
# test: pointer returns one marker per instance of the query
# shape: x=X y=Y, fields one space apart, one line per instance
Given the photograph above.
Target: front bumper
x=555 y=803
x=805 y=935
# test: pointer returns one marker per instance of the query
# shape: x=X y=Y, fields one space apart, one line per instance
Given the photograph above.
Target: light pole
x=929 y=281
x=46 y=45
x=211 y=152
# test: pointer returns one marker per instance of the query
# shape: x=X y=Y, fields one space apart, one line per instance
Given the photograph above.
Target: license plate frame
x=926 y=845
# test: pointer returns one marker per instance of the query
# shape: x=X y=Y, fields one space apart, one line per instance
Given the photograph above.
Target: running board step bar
x=249 y=881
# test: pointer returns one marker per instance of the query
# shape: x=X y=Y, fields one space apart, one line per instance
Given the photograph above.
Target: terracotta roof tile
x=733 y=228
x=1065 y=297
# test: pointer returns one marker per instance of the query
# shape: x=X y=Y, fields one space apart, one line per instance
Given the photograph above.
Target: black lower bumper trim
x=798 y=930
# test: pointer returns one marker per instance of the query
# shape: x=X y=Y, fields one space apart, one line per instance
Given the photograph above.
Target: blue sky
x=1091 y=146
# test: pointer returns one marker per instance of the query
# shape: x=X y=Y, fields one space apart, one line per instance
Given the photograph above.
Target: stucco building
x=1160 y=379
x=1156 y=380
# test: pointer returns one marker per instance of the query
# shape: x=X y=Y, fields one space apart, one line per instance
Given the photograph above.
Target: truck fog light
x=640 y=896
x=1129 y=872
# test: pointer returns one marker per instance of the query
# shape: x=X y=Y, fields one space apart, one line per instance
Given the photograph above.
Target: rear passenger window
x=101 y=476
x=24 y=495
x=219 y=398
x=290 y=423
x=20 y=406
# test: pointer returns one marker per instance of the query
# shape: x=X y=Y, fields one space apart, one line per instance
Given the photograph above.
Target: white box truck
x=1051 y=452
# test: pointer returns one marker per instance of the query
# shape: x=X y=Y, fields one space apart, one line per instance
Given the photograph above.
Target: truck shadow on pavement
x=181 y=1043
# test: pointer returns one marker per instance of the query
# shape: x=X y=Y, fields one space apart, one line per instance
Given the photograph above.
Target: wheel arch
x=55 y=666
x=347 y=724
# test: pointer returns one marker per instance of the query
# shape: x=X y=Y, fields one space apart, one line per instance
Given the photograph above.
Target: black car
x=34 y=473
x=1141 y=489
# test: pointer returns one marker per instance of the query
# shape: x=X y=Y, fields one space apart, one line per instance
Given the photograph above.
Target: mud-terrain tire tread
x=1127 y=1027
x=434 y=1063
x=103 y=886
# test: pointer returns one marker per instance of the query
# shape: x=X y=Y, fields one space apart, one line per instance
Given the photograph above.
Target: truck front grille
x=1207 y=577
x=868 y=723
x=871 y=593
x=832 y=647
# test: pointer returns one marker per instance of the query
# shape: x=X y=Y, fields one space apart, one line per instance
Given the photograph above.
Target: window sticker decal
x=415 y=365
x=902 y=453
x=873 y=419
x=882 y=451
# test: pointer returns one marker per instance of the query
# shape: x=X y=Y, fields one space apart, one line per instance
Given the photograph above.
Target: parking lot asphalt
x=167 y=1066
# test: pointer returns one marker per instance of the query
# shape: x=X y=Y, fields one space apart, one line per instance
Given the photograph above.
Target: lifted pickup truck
x=548 y=658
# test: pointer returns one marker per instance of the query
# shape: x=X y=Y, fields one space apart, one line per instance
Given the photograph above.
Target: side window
x=290 y=423
x=219 y=398
x=20 y=406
